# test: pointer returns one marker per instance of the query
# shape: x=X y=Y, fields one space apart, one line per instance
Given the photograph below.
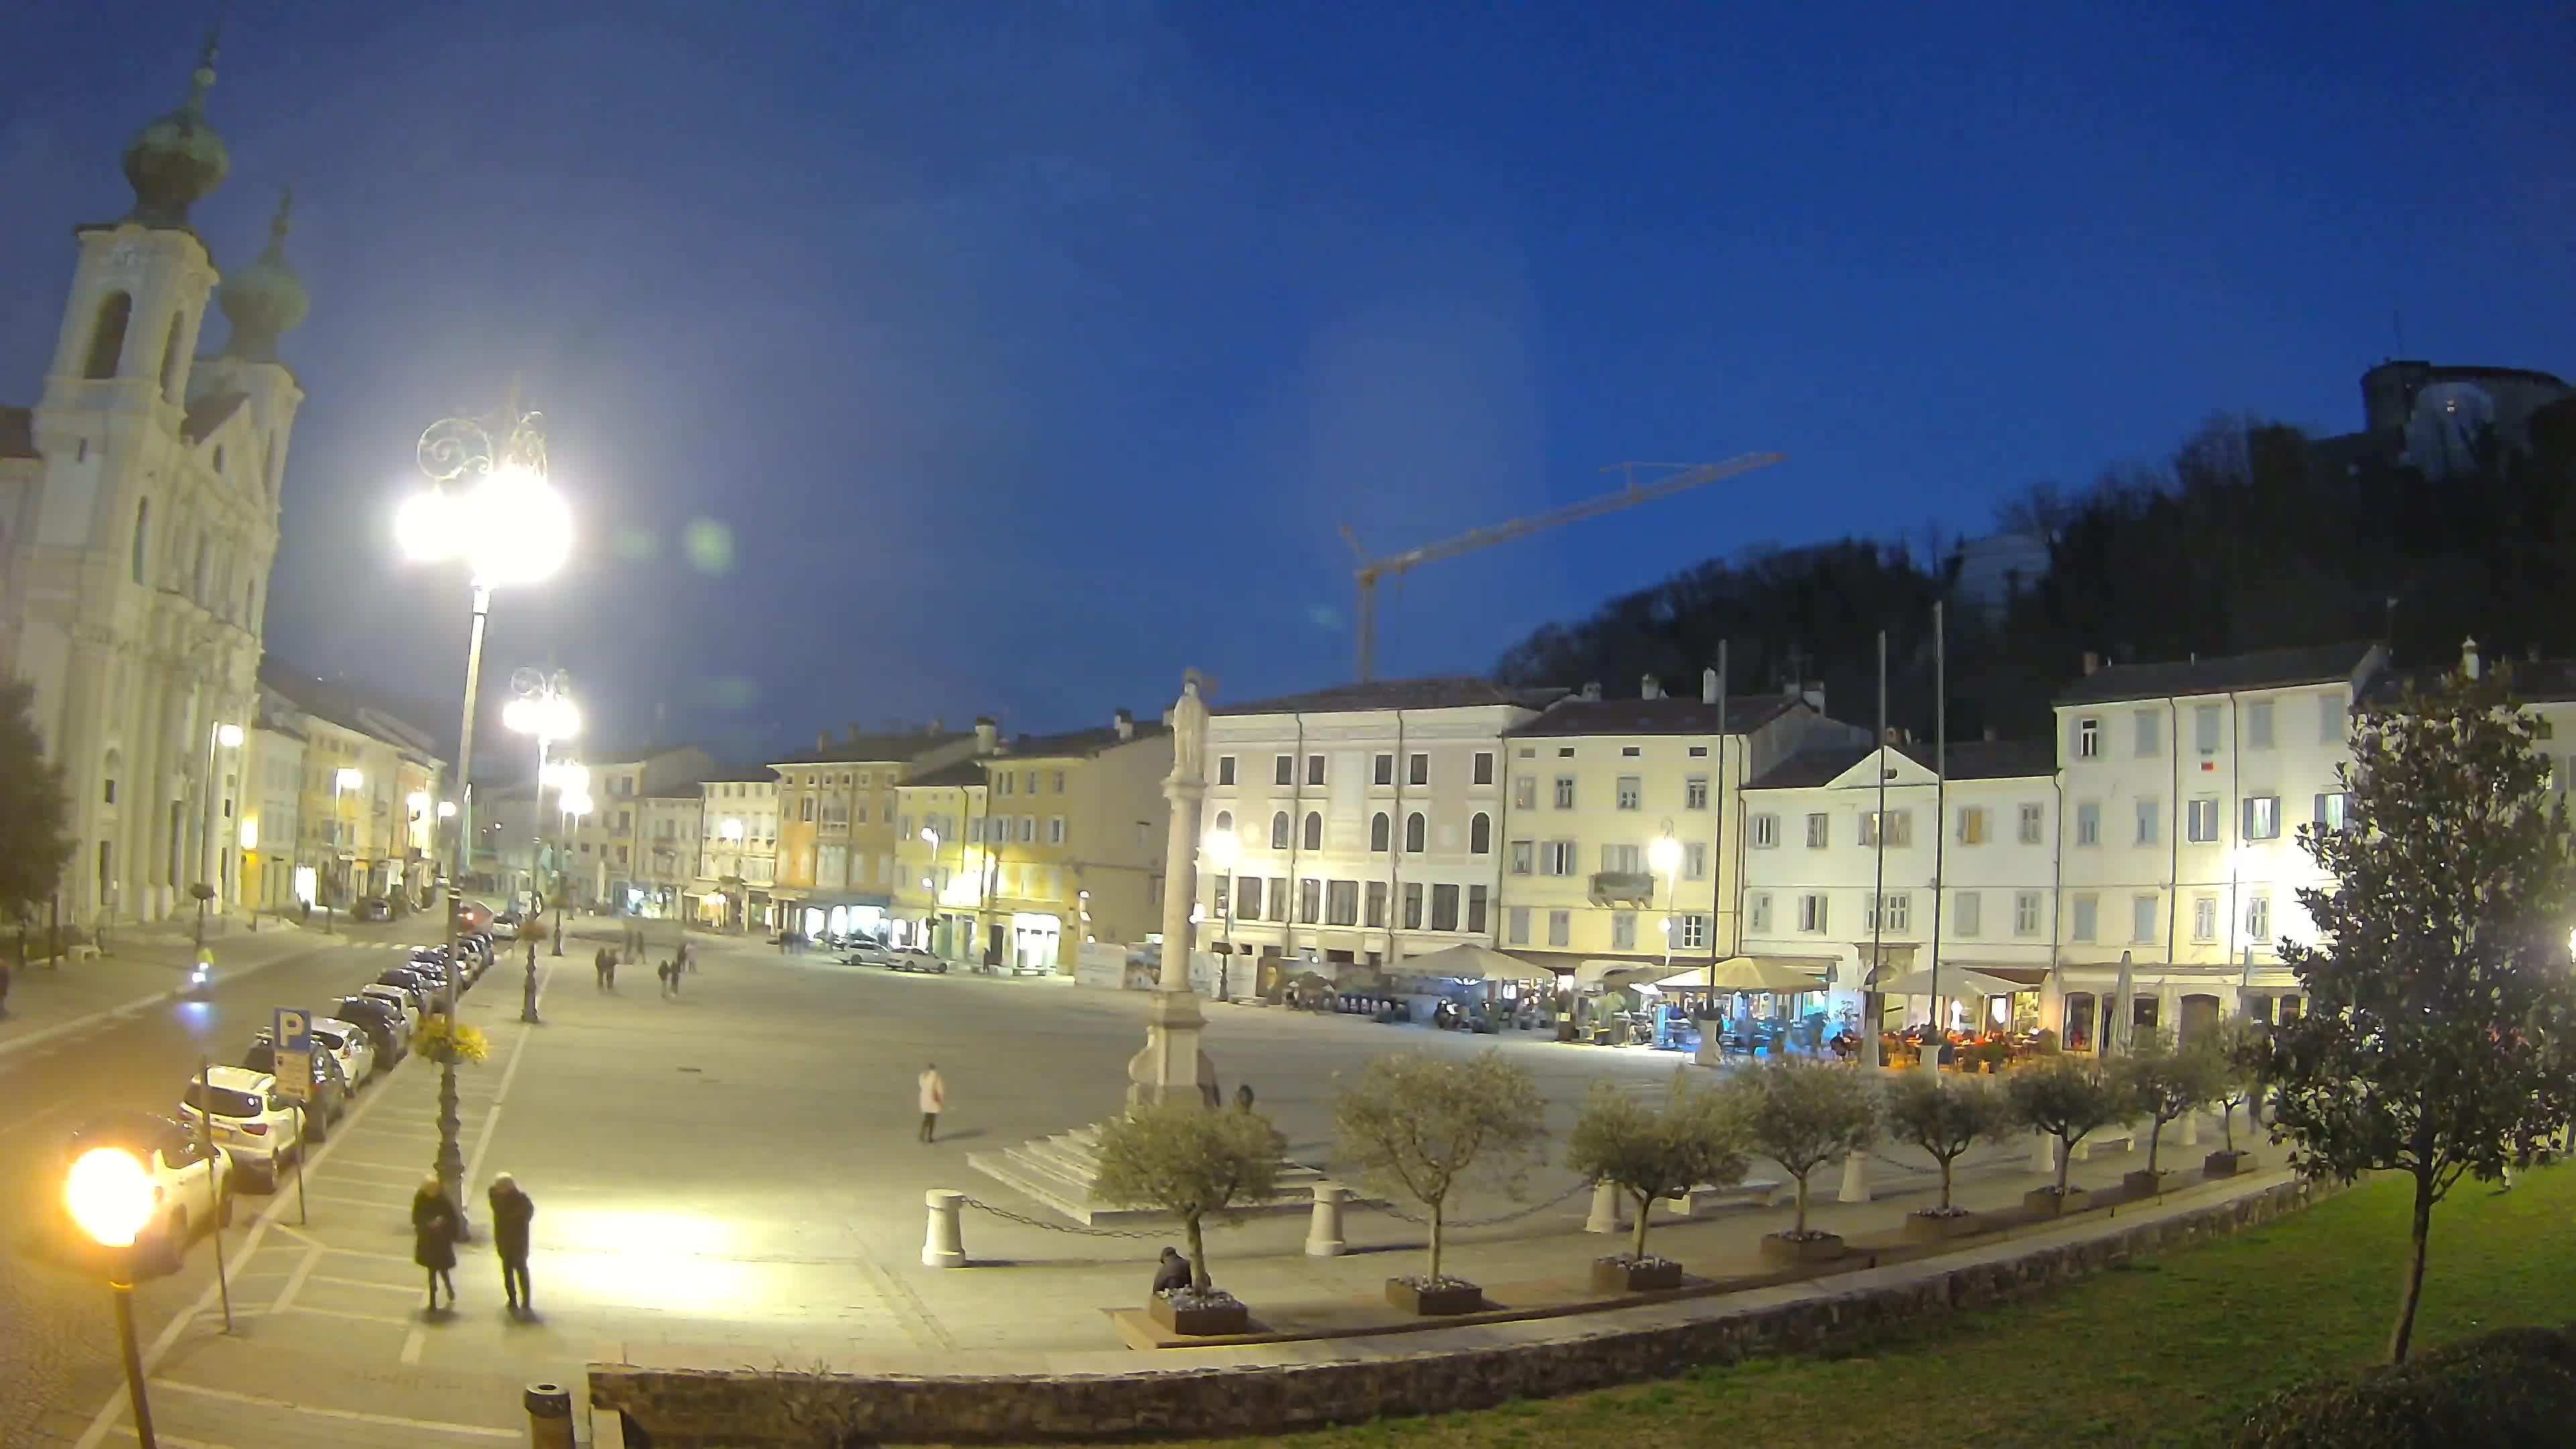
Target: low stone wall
x=1250 y=1391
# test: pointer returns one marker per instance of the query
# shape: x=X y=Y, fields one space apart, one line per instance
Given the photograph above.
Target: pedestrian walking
x=511 y=1213
x=599 y=966
x=669 y=971
x=434 y=1227
x=688 y=962
x=934 y=1100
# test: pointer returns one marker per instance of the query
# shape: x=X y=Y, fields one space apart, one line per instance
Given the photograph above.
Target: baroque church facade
x=140 y=502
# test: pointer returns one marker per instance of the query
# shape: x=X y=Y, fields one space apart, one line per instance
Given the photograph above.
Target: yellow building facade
x=838 y=842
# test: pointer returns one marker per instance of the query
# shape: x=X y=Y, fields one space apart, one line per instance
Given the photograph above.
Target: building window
x=1516 y=926
x=1695 y=860
x=107 y=336
x=1251 y=902
x=2258 y=725
x=1521 y=857
x=142 y=531
x=1223 y=899
x=1620 y=859
x=2263 y=817
x=1694 y=933
x=1695 y=793
x=1283 y=770
x=2032 y=816
x=2142 y=919
x=1972 y=825
x=2088 y=739
x=807 y=808
x=2026 y=913
x=1623 y=931
x=1224 y=822
x=1413 y=833
x=2204 y=918
x=1629 y=752
x=1565 y=792
x=2150 y=819
x=1765 y=830
x=1004 y=783
x=1477 y=897
x=1314 y=769
x=2200 y=820
x=1413 y=905
x=2088 y=908
x=1382 y=770
x=1819 y=833
x=2330 y=718
x=1556 y=857
x=1417 y=771
x=2149 y=729
x=1381 y=831
x=2088 y=822
x=1967 y=913
x=1310 y=900
x=1560 y=928
x=2334 y=809
x=1225 y=769
x=1480 y=834
x=1314 y=830
x=1632 y=792
x=1055 y=830
x=1899 y=912
x=2204 y=728
x=1376 y=903
x=1812 y=916
x=1900 y=829
x=1758 y=912
x=1484 y=768
x=1525 y=793
x=1342 y=906
x=2258 y=919
x=1279 y=831
x=1279 y=898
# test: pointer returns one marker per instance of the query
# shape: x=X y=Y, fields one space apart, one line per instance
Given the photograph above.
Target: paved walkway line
x=173 y=1440
x=354 y=1416
x=295 y=1280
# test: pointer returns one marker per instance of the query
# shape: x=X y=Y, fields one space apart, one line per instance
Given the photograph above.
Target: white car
x=348 y=1042
x=505 y=927
x=400 y=1000
x=254 y=1126
x=190 y=1188
x=868 y=953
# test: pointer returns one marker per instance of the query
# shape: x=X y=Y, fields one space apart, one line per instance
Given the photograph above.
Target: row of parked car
x=866 y=952
x=257 y=1131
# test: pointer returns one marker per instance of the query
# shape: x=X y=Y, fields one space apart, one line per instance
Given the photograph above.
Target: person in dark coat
x=433 y=1238
x=511 y=1213
x=1172 y=1274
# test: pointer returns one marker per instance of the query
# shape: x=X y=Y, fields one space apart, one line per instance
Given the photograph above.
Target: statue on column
x=1188 y=718
x=1171 y=1067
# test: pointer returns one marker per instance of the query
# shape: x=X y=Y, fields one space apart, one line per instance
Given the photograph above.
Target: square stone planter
x=2044 y=1202
x=2144 y=1183
x=2223 y=1164
x=1450 y=1297
x=1622 y=1275
x=1209 y=1320
x=1814 y=1248
x=1936 y=1227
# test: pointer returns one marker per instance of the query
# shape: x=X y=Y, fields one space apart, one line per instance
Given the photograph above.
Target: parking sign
x=293 y=1031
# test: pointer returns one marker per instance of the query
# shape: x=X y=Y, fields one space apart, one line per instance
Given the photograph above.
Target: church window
x=170 y=359
x=107 y=338
x=219 y=459
x=113 y=763
x=142 y=531
x=197 y=575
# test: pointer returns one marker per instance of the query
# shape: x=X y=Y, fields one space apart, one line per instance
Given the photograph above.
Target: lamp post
x=731 y=834
x=544 y=708
x=110 y=1196
x=930 y=885
x=343 y=780
x=221 y=737
x=490 y=505
x=1222 y=849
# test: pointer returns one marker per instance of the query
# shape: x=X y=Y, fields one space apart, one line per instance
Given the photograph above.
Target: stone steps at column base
x=1058 y=1172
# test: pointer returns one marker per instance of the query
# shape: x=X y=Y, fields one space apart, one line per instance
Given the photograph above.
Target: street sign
x=292 y=1030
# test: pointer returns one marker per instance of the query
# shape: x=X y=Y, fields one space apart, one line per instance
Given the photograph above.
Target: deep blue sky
x=1031 y=353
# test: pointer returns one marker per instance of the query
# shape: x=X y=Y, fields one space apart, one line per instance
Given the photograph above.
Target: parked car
x=913 y=958
x=373 y=908
x=505 y=926
x=326 y=1097
x=350 y=1046
x=422 y=988
x=252 y=1124
x=400 y=1001
x=869 y=953
x=190 y=1187
x=383 y=1023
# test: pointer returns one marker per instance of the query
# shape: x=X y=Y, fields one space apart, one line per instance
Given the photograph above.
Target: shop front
x=1036 y=943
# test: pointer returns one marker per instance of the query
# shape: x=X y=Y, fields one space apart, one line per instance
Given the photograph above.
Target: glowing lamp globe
x=1222 y=849
x=110 y=1195
x=1664 y=854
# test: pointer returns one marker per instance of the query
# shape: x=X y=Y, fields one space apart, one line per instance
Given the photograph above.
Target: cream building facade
x=1069 y=846
x=670 y=826
x=608 y=865
x=738 y=847
x=836 y=824
x=140 y=502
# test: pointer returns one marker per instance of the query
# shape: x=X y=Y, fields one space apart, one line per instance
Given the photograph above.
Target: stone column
x=943 y=1245
x=1324 y=1228
x=1604 y=1217
x=1855 y=1178
x=1172 y=1068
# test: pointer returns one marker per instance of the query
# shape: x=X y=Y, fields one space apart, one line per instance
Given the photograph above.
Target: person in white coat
x=934 y=1098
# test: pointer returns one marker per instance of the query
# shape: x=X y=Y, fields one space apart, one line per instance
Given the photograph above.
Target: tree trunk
x=1435 y=1243
x=1198 y=1253
x=2421 y=1230
x=1645 y=1207
x=2155 y=1140
x=2065 y=1160
x=2227 y=1124
x=1946 y=1164
x=1801 y=1229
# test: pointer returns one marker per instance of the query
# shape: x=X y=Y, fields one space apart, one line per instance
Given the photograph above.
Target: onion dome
x=176 y=160
x=265 y=300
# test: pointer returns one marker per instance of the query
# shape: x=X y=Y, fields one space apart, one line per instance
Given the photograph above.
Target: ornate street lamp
x=488 y=504
x=543 y=708
x=1222 y=849
x=110 y=1195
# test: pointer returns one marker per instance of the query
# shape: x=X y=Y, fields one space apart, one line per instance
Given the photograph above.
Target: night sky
x=954 y=359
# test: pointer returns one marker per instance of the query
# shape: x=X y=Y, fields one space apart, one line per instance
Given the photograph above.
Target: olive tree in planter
x=1194 y=1164
x=1649 y=1152
x=1945 y=1116
x=1802 y=1115
x=2237 y=1048
x=2069 y=1099
x=1420 y=1127
x=2163 y=1082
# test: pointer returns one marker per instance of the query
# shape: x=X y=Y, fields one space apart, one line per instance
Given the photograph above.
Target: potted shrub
x=1193 y=1164
x=1651 y=1152
x=2068 y=1099
x=1801 y=1116
x=1420 y=1127
x=2237 y=1047
x=1945 y=1118
x=2163 y=1082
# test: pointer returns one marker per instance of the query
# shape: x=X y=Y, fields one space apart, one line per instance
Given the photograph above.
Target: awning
x=1757 y=973
x=1616 y=975
x=1470 y=961
x=1893 y=958
x=1955 y=981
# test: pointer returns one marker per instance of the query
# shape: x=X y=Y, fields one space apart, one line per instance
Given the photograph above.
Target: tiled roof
x=345 y=703
x=1666 y=716
x=1080 y=743
x=1968 y=760
x=873 y=749
x=968 y=771
x=2534 y=681
x=17 y=433
x=740 y=774
x=1448 y=692
x=2263 y=669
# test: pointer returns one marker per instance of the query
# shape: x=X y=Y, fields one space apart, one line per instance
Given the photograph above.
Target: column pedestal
x=1172 y=1067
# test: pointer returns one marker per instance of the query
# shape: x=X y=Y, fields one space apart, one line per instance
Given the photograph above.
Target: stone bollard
x=2043 y=1155
x=1604 y=1217
x=1855 y=1178
x=1324 y=1228
x=2191 y=1129
x=941 y=1245
x=549 y=1416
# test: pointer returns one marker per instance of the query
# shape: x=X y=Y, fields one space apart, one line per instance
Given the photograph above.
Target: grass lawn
x=2166 y=1351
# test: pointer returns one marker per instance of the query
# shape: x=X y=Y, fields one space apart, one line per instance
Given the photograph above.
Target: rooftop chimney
x=937 y=726
x=2469 y=658
x=2092 y=661
x=988 y=735
x=853 y=732
x=1650 y=688
x=822 y=739
x=1592 y=689
x=1708 y=686
x=1124 y=723
x=1813 y=692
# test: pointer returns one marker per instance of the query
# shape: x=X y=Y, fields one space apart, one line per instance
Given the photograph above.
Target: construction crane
x=1395 y=565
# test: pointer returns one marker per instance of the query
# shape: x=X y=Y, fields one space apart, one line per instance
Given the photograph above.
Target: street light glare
x=551 y=716
x=349 y=778
x=1222 y=848
x=229 y=736
x=1664 y=854
x=109 y=1195
x=446 y=809
x=512 y=525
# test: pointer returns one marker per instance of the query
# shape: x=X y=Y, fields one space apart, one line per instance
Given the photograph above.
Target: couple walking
x=437 y=1227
